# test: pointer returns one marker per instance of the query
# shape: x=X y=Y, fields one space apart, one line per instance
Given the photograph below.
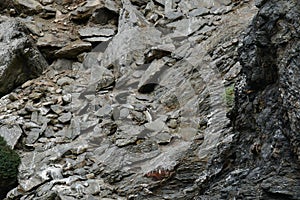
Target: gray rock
x=34 y=29
x=266 y=80
x=11 y=134
x=186 y=27
x=52 y=40
x=158 y=125
x=199 y=12
x=61 y=64
x=96 y=31
x=67 y=98
x=57 y=109
x=20 y=60
x=151 y=76
x=33 y=136
x=28 y=6
x=106 y=15
x=101 y=77
x=65 y=117
x=137 y=39
x=172 y=123
x=65 y=81
x=173 y=15
x=97 y=39
x=104 y=111
x=30 y=125
x=171 y=143
x=280 y=186
x=46 y=2
x=44 y=110
x=73 y=49
x=163 y=138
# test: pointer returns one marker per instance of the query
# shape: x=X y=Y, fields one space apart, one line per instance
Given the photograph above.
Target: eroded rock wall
x=139 y=101
x=264 y=157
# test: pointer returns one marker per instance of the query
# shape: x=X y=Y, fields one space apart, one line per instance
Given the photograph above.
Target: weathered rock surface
x=149 y=112
x=20 y=60
x=263 y=160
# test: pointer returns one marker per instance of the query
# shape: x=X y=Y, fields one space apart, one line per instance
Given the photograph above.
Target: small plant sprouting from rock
x=9 y=163
x=229 y=95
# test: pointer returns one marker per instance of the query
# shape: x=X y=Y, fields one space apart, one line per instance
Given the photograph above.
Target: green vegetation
x=9 y=163
x=229 y=95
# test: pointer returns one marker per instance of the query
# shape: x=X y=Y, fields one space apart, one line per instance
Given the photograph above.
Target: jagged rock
x=33 y=136
x=57 y=109
x=271 y=68
x=261 y=112
x=104 y=111
x=144 y=116
x=11 y=134
x=20 y=59
x=100 y=77
x=65 y=117
x=84 y=12
x=151 y=76
x=28 y=6
x=33 y=28
x=187 y=27
x=157 y=125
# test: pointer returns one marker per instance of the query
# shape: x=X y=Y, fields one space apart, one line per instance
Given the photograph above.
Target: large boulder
x=20 y=60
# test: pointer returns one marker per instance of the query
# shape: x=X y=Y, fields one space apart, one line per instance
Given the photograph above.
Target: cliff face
x=265 y=154
x=269 y=56
x=158 y=100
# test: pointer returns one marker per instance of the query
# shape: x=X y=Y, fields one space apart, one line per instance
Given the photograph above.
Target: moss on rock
x=9 y=163
x=229 y=96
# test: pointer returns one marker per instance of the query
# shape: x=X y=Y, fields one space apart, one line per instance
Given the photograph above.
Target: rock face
x=149 y=112
x=20 y=60
x=263 y=161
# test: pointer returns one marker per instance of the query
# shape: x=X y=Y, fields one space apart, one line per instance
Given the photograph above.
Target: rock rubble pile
x=138 y=100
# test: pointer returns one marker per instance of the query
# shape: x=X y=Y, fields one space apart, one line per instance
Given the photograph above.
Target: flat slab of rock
x=96 y=39
x=96 y=34
x=66 y=117
x=51 y=40
x=96 y=31
x=73 y=49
